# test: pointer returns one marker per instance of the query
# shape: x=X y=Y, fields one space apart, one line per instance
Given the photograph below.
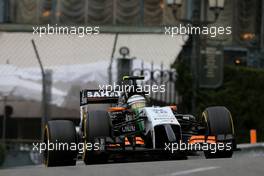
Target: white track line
x=186 y=172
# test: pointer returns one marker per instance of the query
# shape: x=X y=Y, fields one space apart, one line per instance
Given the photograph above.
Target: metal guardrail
x=251 y=146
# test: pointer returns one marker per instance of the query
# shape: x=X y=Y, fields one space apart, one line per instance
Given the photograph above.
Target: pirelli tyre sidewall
x=97 y=126
x=218 y=122
x=58 y=132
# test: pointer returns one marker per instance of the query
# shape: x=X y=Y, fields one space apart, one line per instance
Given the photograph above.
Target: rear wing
x=98 y=97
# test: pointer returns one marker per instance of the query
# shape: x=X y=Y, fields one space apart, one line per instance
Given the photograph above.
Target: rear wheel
x=96 y=126
x=218 y=122
x=59 y=135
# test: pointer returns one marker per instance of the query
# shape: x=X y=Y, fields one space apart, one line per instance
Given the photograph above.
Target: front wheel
x=218 y=122
x=59 y=135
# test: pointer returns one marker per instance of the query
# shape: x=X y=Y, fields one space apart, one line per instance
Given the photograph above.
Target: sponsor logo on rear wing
x=98 y=97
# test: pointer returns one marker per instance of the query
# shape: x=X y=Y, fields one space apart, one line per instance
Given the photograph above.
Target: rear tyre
x=96 y=126
x=60 y=132
x=218 y=122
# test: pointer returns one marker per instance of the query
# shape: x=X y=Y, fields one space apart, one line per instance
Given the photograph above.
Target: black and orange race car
x=130 y=125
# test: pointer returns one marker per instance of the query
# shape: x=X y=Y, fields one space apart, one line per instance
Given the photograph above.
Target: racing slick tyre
x=59 y=132
x=96 y=126
x=218 y=122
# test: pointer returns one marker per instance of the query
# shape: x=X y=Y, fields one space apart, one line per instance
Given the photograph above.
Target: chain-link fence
x=77 y=63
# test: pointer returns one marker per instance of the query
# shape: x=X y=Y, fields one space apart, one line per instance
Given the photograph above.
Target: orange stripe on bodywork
x=211 y=138
x=202 y=139
x=211 y=141
x=126 y=141
x=197 y=139
x=114 y=145
x=139 y=141
x=115 y=109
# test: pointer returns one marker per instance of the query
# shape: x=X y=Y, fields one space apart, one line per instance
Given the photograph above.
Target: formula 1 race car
x=130 y=125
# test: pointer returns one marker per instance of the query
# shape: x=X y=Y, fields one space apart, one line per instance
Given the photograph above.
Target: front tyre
x=218 y=122
x=63 y=133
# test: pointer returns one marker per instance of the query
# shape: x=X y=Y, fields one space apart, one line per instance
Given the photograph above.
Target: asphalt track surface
x=242 y=164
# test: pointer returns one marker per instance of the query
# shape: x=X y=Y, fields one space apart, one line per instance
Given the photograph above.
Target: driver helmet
x=136 y=102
